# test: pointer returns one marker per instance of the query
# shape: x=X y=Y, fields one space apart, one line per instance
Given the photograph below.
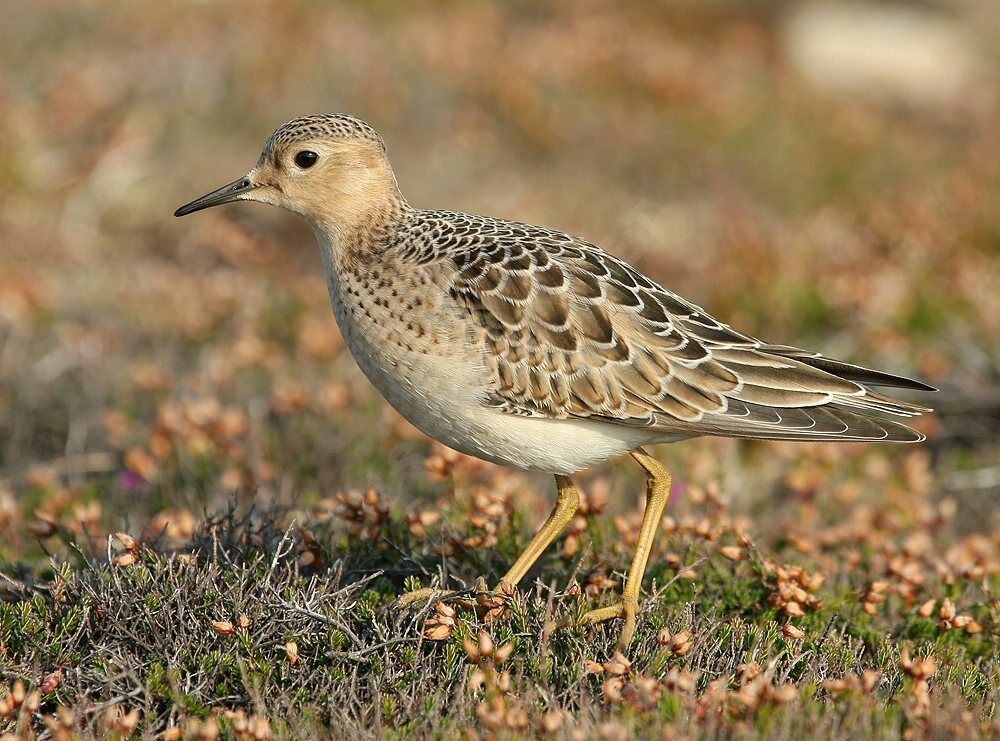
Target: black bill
x=225 y=194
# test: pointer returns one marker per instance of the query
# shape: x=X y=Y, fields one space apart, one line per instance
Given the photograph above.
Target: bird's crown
x=332 y=125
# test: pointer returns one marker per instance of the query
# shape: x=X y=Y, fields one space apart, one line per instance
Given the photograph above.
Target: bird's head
x=330 y=168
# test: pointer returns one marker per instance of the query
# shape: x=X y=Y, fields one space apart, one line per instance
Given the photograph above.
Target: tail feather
x=849 y=371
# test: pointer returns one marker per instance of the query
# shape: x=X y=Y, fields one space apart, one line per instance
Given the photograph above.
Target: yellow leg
x=657 y=492
x=567 y=503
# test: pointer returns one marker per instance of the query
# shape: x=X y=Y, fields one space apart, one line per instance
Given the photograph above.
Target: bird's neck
x=356 y=236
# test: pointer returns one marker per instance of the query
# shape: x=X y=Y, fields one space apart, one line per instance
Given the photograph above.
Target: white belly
x=551 y=445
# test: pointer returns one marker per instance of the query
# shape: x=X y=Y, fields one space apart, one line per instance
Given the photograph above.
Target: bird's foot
x=490 y=604
x=625 y=608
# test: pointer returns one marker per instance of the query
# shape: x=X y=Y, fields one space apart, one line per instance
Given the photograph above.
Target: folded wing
x=570 y=331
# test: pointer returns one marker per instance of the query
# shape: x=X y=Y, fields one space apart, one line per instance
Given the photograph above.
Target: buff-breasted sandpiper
x=538 y=350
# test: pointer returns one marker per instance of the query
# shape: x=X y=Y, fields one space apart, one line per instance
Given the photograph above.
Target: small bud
x=51 y=682
x=917 y=668
x=619 y=665
x=784 y=694
x=223 y=627
x=870 y=679
x=476 y=680
x=927 y=608
x=681 y=644
x=485 y=644
x=437 y=631
x=790 y=631
x=732 y=552
x=128 y=722
x=794 y=609
x=128 y=542
x=124 y=559
x=947 y=611
x=612 y=688
x=207 y=730
x=503 y=653
x=444 y=610
x=748 y=672
x=551 y=722
x=292 y=652
x=260 y=728
x=307 y=559
x=42 y=528
x=240 y=722
x=471 y=648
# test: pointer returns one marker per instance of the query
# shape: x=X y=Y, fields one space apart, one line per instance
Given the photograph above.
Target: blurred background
x=824 y=174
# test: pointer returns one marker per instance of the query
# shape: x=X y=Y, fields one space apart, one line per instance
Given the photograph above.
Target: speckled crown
x=336 y=125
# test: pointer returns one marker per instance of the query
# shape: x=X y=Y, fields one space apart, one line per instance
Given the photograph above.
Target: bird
x=538 y=350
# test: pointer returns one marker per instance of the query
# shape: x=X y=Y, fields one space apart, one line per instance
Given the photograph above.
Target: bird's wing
x=569 y=331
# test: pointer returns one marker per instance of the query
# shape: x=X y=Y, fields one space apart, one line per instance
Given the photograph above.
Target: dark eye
x=306 y=159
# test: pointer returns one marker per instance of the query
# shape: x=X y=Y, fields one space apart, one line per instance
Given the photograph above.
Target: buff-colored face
x=329 y=180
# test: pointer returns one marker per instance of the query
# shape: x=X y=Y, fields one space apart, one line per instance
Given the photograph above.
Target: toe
x=407 y=599
x=467 y=598
x=600 y=615
x=630 y=610
x=624 y=608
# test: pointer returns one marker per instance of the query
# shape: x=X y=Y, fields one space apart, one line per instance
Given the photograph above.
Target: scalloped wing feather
x=568 y=330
